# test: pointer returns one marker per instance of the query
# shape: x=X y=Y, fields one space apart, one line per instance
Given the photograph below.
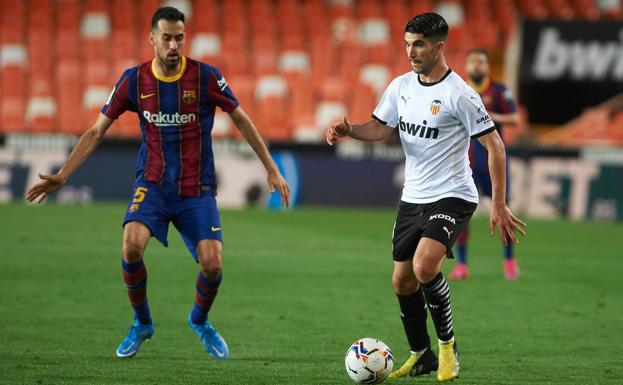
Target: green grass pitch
x=298 y=288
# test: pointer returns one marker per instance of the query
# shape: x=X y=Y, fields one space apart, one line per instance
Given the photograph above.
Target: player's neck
x=436 y=73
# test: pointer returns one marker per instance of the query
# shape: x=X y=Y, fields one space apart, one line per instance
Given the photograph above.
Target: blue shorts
x=154 y=205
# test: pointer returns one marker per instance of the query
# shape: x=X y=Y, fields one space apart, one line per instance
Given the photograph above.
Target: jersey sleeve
x=507 y=102
x=219 y=91
x=386 y=110
x=119 y=99
x=472 y=113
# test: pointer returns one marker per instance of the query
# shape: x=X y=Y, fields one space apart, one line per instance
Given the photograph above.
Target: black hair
x=479 y=51
x=166 y=13
x=431 y=25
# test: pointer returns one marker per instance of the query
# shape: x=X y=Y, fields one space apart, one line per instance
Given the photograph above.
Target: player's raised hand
x=507 y=223
x=276 y=181
x=48 y=185
x=338 y=130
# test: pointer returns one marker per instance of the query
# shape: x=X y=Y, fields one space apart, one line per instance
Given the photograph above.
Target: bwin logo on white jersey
x=443 y=216
x=420 y=130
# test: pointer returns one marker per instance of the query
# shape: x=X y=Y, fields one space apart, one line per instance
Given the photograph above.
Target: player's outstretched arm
x=88 y=142
x=252 y=136
x=370 y=131
x=501 y=215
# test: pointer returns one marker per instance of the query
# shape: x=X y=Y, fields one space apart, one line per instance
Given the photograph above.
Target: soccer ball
x=369 y=361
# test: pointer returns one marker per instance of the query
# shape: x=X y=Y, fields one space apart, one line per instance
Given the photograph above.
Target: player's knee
x=211 y=261
x=132 y=251
x=404 y=285
x=425 y=272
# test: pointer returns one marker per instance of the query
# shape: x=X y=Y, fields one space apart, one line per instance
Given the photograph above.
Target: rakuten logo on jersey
x=420 y=130
x=582 y=60
x=163 y=120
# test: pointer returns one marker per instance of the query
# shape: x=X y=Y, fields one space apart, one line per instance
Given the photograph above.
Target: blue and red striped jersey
x=176 y=116
x=496 y=97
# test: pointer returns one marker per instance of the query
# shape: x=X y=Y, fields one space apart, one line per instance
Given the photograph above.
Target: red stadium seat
x=586 y=9
x=13 y=86
x=362 y=103
x=69 y=96
x=560 y=9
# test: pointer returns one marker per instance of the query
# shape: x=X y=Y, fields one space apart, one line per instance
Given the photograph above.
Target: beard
x=477 y=78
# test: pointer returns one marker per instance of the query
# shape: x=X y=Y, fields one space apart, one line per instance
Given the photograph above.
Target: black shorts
x=442 y=221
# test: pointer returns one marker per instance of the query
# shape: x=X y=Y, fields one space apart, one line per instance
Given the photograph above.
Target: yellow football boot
x=448 y=361
x=417 y=365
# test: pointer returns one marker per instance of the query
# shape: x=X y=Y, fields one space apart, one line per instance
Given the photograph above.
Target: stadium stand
x=294 y=64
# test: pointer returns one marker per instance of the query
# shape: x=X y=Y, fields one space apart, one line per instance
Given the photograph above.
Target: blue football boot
x=138 y=334
x=211 y=339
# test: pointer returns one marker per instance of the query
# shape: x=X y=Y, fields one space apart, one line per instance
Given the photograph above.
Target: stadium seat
x=271 y=97
x=69 y=96
x=13 y=62
x=363 y=101
x=41 y=114
x=12 y=22
x=95 y=34
x=452 y=11
x=67 y=37
x=328 y=112
x=560 y=9
x=294 y=65
x=377 y=77
x=586 y=9
x=332 y=89
x=302 y=102
x=533 y=9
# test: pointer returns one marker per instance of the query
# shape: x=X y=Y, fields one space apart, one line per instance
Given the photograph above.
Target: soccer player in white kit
x=436 y=114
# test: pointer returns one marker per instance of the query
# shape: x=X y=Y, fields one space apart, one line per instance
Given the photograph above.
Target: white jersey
x=436 y=122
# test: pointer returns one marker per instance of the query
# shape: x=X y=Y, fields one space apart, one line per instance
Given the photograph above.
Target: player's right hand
x=338 y=130
x=48 y=185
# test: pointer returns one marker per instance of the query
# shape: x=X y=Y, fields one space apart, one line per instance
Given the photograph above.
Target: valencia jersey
x=435 y=122
x=176 y=116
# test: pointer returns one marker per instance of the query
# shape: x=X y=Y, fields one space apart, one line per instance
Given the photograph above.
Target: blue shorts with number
x=154 y=205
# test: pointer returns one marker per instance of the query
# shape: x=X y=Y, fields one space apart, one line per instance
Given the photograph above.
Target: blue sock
x=135 y=277
x=462 y=253
x=206 y=292
x=508 y=251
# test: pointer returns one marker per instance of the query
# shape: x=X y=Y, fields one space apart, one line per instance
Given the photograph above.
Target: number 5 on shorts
x=139 y=194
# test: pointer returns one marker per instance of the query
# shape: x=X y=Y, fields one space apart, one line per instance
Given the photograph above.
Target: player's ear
x=152 y=38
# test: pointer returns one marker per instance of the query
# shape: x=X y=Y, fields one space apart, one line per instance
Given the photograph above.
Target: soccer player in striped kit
x=498 y=100
x=175 y=98
x=436 y=113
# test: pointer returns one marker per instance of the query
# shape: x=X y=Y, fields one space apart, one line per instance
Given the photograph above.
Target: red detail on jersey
x=120 y=100
x=148 y=85
x=190 y=133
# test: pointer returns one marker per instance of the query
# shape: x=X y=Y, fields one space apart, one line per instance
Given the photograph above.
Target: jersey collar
x=482 y=87
x=171 y=78
x=433 y=83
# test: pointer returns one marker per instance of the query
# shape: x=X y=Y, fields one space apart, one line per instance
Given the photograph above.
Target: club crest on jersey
x=189 y=96
x=435 y=106
x=420 y=130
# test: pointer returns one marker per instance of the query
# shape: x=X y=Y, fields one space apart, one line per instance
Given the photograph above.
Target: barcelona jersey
x=496 y=98
x=176 y=116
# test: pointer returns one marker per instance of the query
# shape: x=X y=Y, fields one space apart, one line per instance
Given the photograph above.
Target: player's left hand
x=276 y=181
x=503 y=218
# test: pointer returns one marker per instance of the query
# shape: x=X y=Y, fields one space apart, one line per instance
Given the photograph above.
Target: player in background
x=436 y=114
x=499 y=102
x=175 y=98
